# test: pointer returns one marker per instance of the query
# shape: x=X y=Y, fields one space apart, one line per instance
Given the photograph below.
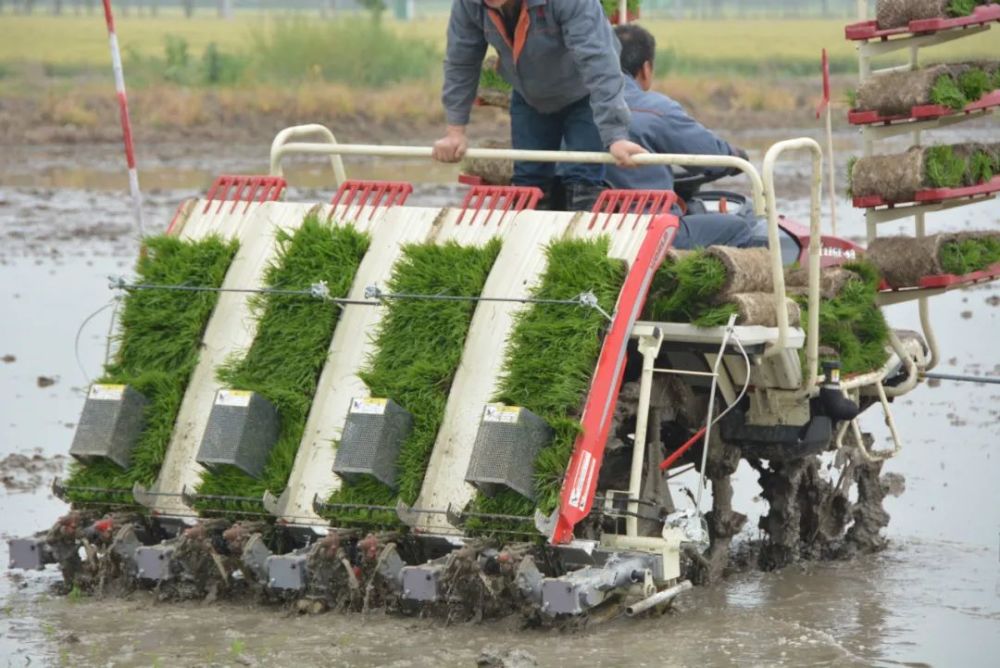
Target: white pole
x=133 y=173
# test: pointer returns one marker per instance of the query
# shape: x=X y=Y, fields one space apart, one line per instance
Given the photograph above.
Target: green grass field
x=82 y=42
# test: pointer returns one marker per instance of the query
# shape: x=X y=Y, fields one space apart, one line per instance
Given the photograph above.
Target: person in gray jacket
x=561 y=58
x=661 y=125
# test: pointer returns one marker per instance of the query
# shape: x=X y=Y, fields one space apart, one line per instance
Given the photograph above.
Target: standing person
x=561 y=58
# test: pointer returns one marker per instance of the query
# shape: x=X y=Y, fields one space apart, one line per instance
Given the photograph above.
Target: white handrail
x=815 y=248
x=300 y=132
x=280 y=150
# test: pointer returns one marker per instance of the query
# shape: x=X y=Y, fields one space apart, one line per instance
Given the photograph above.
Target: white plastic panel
x=349 y=351
x=230 y=330
x=517 y=270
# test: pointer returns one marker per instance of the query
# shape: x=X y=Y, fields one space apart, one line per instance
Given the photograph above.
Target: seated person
x=661 y=125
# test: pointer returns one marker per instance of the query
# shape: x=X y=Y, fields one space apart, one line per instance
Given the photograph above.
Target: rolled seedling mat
x=903 y=261
x=896 y=93
x=899 y=177
x=747 y=270
x=758 y=308
x=493 y=91
x=831 y=281
x=492 y=172
x=898 y=13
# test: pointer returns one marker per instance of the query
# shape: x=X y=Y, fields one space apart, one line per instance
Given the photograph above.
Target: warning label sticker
x=106 y=392
x=239 y=398
x=501 y=413
x=369 y=405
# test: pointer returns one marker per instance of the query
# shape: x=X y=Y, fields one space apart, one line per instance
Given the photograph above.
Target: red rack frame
x=580 y=483
x=925 y=112
x=933 y=195
x=867 y=30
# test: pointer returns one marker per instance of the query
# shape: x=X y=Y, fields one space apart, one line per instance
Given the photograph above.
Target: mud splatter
x=20 y=473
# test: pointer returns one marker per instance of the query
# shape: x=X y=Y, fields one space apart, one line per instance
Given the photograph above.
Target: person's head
x=638 y=53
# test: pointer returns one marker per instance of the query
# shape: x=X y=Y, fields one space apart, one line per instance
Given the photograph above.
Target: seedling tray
x=934 y=195
x=867 y=30
x=948 y=281
x=925 y=112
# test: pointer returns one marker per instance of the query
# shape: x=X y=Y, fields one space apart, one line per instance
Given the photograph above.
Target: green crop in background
x=417 y=351
x=290 y=349
x=159 y=341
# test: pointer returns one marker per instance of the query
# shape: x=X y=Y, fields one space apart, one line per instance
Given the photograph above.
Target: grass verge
x=159 y=341
x=548 y=365
x=290 y=349
x=417 y=351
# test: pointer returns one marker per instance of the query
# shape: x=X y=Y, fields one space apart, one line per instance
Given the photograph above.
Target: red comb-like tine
x=465 y=206
x=376 y=199
x=252 y=195
x=213 y=189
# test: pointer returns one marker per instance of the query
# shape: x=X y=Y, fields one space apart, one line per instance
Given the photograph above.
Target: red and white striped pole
x=133 y=174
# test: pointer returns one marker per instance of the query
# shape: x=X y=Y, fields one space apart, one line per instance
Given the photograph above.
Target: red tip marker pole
x=824 y=105
x=133 y=174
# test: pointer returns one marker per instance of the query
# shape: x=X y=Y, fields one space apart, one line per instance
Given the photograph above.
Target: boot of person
x=582 y=196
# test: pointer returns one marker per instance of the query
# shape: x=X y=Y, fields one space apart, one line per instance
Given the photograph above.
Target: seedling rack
x=871 y=44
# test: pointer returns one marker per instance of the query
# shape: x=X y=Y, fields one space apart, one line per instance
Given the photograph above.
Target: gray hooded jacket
x=561 y=51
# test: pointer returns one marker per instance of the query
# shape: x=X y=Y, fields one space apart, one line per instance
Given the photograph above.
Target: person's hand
x=623 y=150
x=451 y=147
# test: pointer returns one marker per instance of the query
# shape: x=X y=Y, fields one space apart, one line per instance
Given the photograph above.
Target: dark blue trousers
x=571 y=128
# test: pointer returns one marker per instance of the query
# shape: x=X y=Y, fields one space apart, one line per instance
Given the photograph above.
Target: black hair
x=638 y=47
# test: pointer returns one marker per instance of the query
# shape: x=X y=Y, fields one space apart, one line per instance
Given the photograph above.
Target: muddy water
x=932 y=598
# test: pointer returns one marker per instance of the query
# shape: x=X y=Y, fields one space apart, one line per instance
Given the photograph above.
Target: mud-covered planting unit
x=474 y=411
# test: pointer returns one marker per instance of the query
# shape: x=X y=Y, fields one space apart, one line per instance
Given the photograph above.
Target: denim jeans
x=571 y=128
x=700 y=230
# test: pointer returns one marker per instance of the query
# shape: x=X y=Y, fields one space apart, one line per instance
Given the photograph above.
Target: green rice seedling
x=851 y=97
x=548 y=365
x=611 y=6
x=491 y=79
x=853 y=160
x=417 y=351
x=943 y=168
x=975 y=83
x=981 y=168
x=962 y=7
x=852 y=323
x=159 y=340
x=969 y=255
x=290 y=349
x=683 y=291
x=947 y=93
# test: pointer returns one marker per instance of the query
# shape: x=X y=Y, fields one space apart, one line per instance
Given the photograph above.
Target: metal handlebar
x=815 y=249
x=302 y=131
x=281 y=148
x=764 y=199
